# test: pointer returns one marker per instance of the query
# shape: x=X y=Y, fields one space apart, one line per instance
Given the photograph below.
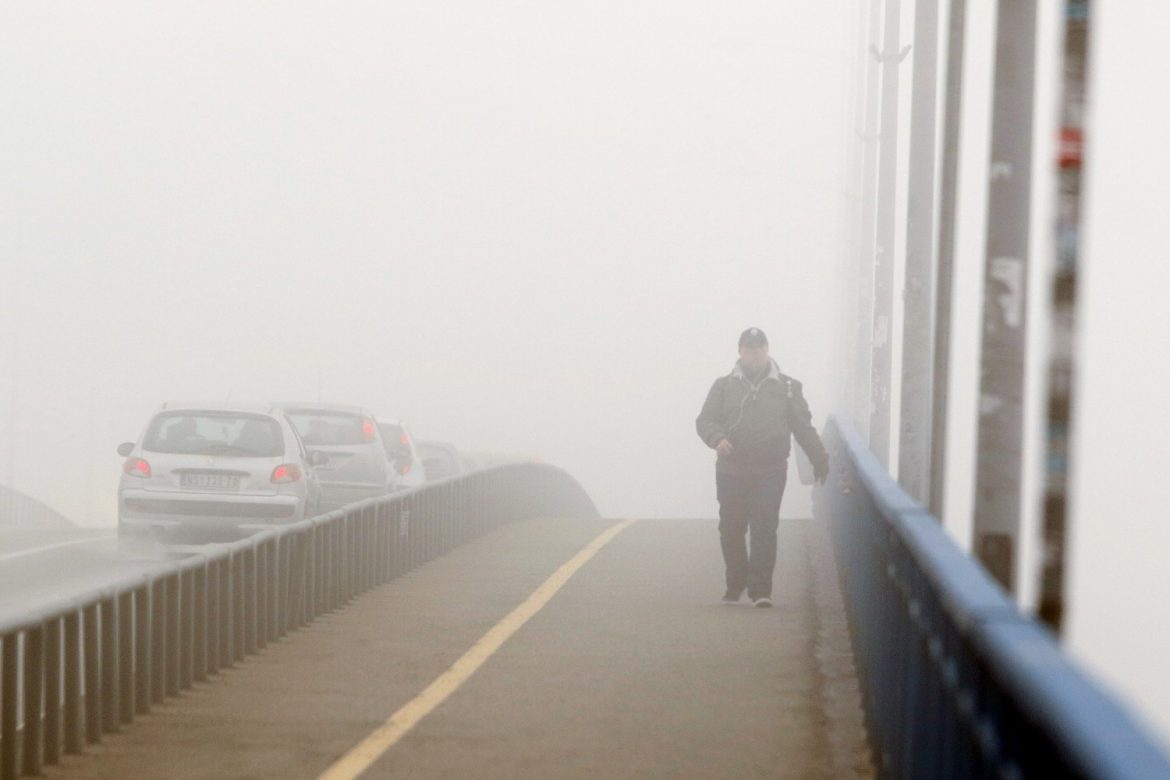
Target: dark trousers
x=749 y=501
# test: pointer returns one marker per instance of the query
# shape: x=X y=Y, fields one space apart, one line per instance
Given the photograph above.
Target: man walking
x=749 y=419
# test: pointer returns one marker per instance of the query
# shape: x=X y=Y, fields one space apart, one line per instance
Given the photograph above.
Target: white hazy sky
x=519 y=226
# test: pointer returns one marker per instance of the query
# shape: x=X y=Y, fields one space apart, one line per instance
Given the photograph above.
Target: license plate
x=210 y=481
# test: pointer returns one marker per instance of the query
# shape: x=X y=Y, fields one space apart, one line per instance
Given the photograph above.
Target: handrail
x=957 y=681
x=88 y=664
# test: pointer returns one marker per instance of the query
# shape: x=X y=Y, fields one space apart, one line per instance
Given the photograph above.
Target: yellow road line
x=365 y=753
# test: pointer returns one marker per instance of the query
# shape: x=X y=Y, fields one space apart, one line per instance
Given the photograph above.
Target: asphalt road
x=633 y=669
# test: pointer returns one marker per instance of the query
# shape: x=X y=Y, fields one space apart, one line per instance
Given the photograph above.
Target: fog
x=524 y=227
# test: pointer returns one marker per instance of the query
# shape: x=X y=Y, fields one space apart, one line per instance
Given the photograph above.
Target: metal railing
x=957 y=682
x=90 y=665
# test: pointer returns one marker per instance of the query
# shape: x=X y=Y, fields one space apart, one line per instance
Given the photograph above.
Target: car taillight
x=367 y=429
x=404 y=468
x=136 y=467
x=405 y=440
x=285 y=473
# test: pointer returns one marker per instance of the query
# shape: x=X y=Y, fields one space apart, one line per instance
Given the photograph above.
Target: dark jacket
x=759 y=421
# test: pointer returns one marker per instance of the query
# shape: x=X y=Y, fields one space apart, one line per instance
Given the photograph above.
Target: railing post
x=354 y=555
x=93 y=675
x=260 y=578
x=111 y=665
x=298 y=576
x=311 y=556
x=422 y=524
x=447 y=503
x=186 y=601
x=143 y=639
x=381 y=544
x=415 y=538
x=283 y=611
x=357 y=560
x=367 y=549
x=214 y=616
x=320 y=554
x=126 y=616
x=398 y=530
x=371 y=550
x=336 y=575
x=340 y=549
x=8 y=705
x=227 y=606
x=433 y=550
x=73 y=716
x=34 y=690
x=274 y=590
x=249 y=592
x=200 y=585
x=158 y=640
x=423 y=508
x=347 y=566
x=53 y=669
x=239 y=604
x=324 y=554
x=174 y=635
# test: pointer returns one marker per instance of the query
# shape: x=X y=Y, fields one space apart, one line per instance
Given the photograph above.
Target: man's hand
x=821 y=473
x=724 y=448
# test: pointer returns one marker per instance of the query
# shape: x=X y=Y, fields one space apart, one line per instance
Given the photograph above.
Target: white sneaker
x=762 y=601
x=730 y=598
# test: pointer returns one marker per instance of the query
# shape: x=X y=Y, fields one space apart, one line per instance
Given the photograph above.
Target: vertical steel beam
x=868 y=135
x=890 y=57
x=947 y=223
x=914 y=450
x=1005 y=315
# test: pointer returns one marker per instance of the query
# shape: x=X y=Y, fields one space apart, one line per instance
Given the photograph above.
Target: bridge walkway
x=633 y=669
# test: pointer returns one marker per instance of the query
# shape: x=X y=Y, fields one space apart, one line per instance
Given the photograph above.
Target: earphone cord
x=752 y=394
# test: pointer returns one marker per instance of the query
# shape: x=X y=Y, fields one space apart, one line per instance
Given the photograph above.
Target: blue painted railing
x=957 y=682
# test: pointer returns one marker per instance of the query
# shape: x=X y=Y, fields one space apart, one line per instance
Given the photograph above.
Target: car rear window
x=395 y=438
x=318 y=428
x=214 y=433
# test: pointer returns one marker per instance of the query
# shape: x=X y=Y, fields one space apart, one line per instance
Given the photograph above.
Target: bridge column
x=1119 y=537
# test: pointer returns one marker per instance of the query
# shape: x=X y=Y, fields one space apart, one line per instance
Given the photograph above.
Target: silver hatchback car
x=212 y=473
x=347 y=438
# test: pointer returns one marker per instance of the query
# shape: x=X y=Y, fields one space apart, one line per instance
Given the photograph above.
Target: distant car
x=440 y=459
x=356 y=466
x=402 y=455
x=212 y=472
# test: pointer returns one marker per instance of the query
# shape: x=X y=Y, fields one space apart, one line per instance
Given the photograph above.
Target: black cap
x=753 y=337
